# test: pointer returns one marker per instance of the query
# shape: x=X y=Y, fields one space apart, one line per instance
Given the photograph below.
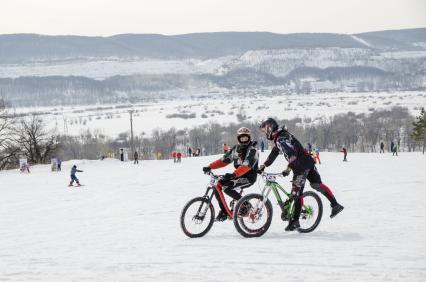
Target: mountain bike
x=257 y=220
x=198 y=214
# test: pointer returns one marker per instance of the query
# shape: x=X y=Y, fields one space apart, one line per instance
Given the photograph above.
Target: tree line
x=29 y=137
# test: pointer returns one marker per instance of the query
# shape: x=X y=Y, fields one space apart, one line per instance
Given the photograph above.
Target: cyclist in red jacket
x=245 y=158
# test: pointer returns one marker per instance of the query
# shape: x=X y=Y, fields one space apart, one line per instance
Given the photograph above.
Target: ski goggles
x=243 y=139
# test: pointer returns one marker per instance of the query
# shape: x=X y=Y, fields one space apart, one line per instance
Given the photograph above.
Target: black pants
x=299 y=180
x=229 y=186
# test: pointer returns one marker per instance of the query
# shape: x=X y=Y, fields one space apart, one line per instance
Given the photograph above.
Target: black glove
x=206 y=169
x=228 y=176
x=261 y=169
x=286 y=172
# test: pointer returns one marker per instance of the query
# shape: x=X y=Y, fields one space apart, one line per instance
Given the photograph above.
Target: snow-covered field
x=124 y=225
x=223 y=108
x=101 y=69
x=279 y=62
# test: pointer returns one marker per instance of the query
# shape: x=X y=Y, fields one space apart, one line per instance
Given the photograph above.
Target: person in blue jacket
x=74 y=170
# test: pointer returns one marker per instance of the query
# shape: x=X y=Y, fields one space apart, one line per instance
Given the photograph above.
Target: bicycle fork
x=258 y=208
x=206 y=196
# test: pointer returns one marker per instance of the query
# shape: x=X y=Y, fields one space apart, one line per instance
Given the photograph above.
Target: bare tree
x=419 y=130
x=36 y=142
x=8 y=148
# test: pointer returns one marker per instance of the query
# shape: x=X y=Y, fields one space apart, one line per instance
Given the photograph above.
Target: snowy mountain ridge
x=65 y=70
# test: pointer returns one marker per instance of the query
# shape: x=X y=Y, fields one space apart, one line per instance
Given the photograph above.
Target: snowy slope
x=124 y=226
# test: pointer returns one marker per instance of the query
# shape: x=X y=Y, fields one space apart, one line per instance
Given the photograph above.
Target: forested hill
x=24 y=47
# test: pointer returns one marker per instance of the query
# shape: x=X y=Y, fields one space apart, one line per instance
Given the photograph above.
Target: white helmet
x=243 y=136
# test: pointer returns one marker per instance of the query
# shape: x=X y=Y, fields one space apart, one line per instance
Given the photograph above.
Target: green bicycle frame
x=287 y=207
x=272 y=185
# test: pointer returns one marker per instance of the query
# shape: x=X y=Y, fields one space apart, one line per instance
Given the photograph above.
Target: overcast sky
x=108 y=17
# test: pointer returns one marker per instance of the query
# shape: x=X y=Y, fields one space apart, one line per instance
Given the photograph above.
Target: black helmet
x=269 y=126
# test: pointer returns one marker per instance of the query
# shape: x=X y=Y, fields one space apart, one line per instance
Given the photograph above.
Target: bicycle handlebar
x=212 y=174
x=270 y=174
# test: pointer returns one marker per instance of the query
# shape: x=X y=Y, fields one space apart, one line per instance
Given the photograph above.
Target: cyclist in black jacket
x=302 y=165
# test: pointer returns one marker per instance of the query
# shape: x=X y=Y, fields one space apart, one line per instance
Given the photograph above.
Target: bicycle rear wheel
x=311 y=214
x=197 y=217
x=252 y=217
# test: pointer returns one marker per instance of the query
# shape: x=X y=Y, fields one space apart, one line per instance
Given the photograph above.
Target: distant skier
x=197 y=152
x=225 y=148
x=317 y=156
x=345 y=154
x=394 y=149
x=174 y=156
x=179 y=157
x=382 y=147
x=74 y=170
x=262 y=146
x=136 y=157
x=309 y=147
x=58 y=164
x=25 y=167
x=122 y=155
x=189 y=152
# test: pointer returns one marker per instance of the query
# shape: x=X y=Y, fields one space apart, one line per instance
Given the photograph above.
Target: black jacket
x=293 y=151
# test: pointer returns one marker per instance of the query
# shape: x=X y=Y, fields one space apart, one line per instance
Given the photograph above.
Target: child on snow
x=74 y=170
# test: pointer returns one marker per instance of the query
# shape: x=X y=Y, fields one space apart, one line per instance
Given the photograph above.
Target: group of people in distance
x=314 y=153
x=192 y=153
x=245 y=157
x=177 y=157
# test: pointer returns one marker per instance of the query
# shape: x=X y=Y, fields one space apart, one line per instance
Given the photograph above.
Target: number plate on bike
x=213 y=181
x=271 y=177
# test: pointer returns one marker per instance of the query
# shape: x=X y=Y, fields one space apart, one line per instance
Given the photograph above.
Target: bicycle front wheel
x=252 y=216
x=197 y=217
x=311 y=214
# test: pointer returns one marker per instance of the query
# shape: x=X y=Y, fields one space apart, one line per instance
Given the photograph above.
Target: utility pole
x=131 y=132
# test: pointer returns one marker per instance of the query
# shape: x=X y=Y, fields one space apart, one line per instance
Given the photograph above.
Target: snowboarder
x=300 y=163
x=136 y=157
x=382 y=147
x=345 y=154
x=74 y=170
x=245 y=158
